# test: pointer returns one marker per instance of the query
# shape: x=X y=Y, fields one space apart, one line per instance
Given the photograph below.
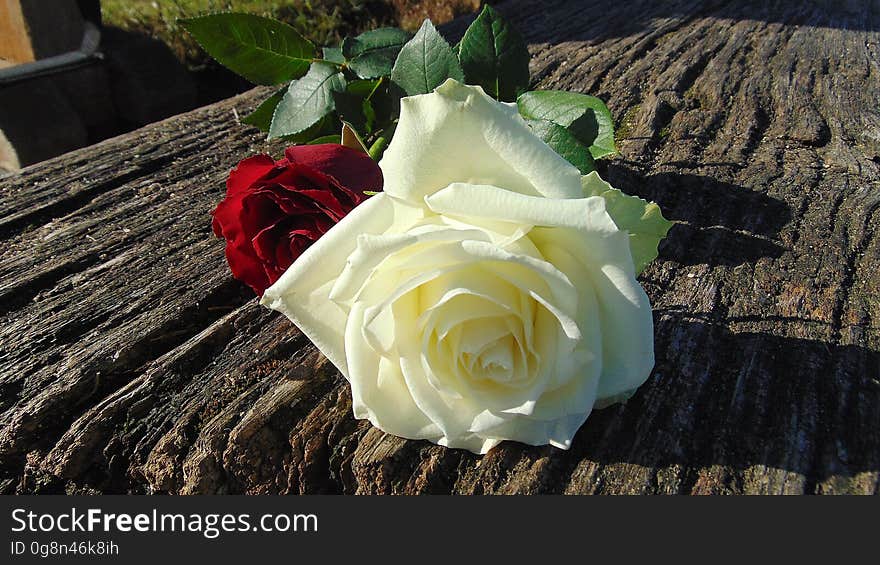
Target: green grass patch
x=624 y=128
x=325 y=22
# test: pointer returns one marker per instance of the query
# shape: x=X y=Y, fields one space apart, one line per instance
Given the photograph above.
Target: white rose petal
x=459 y=134
x=481 y=297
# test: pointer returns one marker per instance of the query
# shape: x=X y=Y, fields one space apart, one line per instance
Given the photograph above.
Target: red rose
x=274 y=210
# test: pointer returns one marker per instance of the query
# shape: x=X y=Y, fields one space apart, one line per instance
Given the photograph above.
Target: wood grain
x=130 y=361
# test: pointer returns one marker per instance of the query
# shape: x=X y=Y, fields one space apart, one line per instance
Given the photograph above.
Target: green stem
x=340 y=65
x=375 y=88
x=378 y=148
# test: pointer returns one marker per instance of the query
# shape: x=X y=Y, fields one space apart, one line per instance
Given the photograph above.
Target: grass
x=325 y=22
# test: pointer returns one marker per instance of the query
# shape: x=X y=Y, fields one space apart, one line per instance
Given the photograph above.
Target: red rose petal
x=288 y=201
x=246 y=268
x=247 y=173
x=226 y=217
x=350 y=168
x=328 y=201
x=274 y=210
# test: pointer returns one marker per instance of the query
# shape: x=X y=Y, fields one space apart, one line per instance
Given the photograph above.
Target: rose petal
x=302 y=292
x=491 y=202
x=246 y=267
x=351 y=169
x=428 y=151
x=248 y=172
x=378 y=390
x=627 y=322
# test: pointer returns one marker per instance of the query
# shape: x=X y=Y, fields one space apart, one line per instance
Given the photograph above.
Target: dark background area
x=76 y=72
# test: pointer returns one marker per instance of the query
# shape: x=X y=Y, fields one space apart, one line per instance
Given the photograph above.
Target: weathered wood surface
x=130 y=361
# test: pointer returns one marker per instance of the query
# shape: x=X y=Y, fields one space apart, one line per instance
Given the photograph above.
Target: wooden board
x=130 y=361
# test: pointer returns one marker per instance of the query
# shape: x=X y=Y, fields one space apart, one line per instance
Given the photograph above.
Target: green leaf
x=362 y=87
x=642 y=219
x=372 y=53
x=333 y=138
x=369 y=115
x=333 y=55
x=355 y=110
x=324 y=126
x=383 y=100
x=562 y=141
x=307 y=100
x=425 y=62
x=494 y=56
x=573 y=111
x=261 y=117
x=262 y=50
x=355 y=106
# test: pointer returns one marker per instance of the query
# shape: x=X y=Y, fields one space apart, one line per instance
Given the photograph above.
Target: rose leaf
x=262 y=50
x=323 y=127
x=561 y=140
x=642 y=219
x=425 y=62
x=587 y=117
x=332 y=138
x=307 y=100
x=261 y=117
x=357 y=111
x=494 y=55
x=372 y=53
x=333 y=55
x=354 y=105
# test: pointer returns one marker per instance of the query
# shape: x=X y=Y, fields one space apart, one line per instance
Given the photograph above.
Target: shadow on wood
x=718 y=223
x=720 y=399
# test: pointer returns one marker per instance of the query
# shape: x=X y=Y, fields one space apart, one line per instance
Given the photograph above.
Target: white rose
x=481 y=296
